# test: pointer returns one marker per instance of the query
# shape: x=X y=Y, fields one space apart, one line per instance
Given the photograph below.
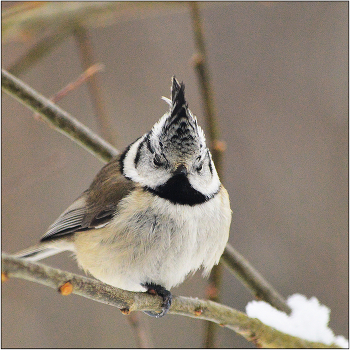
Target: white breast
x=160 y=244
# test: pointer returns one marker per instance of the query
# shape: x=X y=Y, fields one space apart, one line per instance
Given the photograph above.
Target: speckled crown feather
x=180 y=131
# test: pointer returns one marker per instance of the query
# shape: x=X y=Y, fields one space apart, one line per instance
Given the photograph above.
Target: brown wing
x=94 y=207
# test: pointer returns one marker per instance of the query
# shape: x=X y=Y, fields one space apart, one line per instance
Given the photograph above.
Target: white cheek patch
x=207 y=185
x=208 y=182
x=146 y=176
x=129 y=168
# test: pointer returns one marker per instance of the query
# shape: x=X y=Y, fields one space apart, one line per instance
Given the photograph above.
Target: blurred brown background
x=280 y=76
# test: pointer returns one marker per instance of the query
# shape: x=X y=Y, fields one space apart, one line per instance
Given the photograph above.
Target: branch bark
x=252 y=279
x=251 y=329
x=201 y=66
x=87 y=58
x=28 y=18
x=40 y=50
x=57 y=117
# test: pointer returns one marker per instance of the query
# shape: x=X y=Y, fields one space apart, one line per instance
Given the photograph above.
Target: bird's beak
x=181 y=170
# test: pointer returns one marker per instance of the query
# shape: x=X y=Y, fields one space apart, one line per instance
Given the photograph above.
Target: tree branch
x=40 y=50
x=87 y=58
x=57 y=117
x=28 y=18
x=210 y=115
x=251 y=329
x=252 y=279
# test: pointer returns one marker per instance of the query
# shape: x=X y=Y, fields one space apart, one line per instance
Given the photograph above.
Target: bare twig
x=142 y=333
x=58 y=118
x=201 y=66
x=75 y=84
x=252 y=279
x=87 y=58
x=66 y=283
x=39 y=50
x=29 y=18
x=213 y=136
x=212 y=293
x=88 y=73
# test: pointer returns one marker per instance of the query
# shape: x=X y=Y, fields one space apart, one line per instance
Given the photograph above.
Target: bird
x=153 y=215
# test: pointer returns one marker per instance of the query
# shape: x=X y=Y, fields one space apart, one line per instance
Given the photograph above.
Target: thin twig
x=39 y=50
x=201 y=66
x=57 y=117
x=28 y=18
x=142 y=333
x=213 y=136
x=88 y=73
x=251 y=329
x=252 y=279
x=87 y=59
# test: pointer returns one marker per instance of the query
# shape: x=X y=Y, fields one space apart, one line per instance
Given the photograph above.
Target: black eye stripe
x=156 y=160
x=138 y=154
x=148 y=143
x=211 y=167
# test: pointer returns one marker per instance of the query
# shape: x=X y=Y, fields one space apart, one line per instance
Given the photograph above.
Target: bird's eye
x=157 y=161
x=199 y=167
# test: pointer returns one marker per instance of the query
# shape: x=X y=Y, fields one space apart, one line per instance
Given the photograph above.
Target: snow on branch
x=308 y=319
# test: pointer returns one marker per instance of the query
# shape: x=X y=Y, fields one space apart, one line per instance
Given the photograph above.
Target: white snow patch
x=308 y=320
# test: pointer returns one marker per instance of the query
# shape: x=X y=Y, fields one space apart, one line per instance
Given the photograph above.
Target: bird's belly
x=160 y=244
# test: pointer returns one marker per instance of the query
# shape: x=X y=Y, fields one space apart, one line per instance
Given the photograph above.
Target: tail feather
x=37 y=252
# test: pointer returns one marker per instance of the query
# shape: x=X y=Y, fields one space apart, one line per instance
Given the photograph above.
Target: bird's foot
x=155 y=289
